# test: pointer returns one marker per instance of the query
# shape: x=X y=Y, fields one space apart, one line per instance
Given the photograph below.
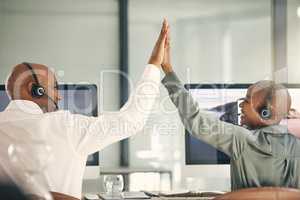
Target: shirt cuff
x=172 y=83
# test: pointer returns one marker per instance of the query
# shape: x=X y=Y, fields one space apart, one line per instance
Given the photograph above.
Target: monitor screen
x=221 y=100
x=4 y=100
x=78 y=99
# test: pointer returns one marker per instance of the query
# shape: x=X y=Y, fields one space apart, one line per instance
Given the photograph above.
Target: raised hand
x=159 y=48
x=166 y=64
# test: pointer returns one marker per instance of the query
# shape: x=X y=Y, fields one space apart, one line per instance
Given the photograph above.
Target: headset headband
x=32 y=72
x=28 y=65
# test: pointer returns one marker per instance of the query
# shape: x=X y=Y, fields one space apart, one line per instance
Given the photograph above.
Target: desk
x=178 y=198
x=209 y=197
x=182 y=198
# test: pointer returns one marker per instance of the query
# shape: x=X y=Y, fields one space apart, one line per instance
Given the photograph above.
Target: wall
x=293 y=43
x=211 y=42
x=78 y=39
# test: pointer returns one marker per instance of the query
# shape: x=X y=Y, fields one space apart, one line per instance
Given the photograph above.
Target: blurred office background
x=213 y=41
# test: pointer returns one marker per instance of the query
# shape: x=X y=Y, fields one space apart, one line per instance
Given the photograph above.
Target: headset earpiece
x=265 y=113
x=37 y=91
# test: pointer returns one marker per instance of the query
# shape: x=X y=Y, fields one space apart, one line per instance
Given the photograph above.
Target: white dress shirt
x=72 y=137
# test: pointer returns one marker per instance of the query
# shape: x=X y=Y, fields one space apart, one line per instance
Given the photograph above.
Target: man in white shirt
x=30 y=118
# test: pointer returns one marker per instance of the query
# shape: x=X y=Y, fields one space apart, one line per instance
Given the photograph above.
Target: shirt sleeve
x=203 y=125
x=91 y=134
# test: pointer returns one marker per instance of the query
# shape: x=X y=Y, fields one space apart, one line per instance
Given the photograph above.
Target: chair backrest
x=60 y=196
x=262 y=193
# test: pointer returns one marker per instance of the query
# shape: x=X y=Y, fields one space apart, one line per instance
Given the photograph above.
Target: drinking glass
x=114 y=185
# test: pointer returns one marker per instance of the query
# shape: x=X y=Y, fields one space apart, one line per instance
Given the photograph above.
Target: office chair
x=262 y=193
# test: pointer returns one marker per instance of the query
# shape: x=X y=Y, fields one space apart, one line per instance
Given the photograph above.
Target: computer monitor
x=221 y=99
x=78 y=99
x=4 y=100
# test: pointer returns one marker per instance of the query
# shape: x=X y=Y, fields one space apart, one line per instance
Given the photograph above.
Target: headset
x=37 y=90
x=265 y=112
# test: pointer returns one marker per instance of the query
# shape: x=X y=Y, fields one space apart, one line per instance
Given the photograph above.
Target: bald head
x=276 y=96
x=21 y=80
x=266 y=103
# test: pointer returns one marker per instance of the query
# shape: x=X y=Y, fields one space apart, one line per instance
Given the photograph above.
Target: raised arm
x=201 y=124
x=93 y=134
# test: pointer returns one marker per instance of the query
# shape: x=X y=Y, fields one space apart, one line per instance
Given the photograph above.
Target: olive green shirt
x=268 y=156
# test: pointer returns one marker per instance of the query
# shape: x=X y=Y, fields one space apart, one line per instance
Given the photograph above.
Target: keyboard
x=193 y=194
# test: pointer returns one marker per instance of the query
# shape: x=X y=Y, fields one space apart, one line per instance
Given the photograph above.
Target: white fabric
x=73 y=137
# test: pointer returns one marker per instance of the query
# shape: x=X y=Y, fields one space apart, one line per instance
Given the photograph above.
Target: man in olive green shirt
x=262 y=154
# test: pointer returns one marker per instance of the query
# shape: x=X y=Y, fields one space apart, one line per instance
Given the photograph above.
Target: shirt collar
x=275 y=129
x=25 y=106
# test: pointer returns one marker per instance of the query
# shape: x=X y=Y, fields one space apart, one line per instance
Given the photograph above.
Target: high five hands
x=161 y=52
